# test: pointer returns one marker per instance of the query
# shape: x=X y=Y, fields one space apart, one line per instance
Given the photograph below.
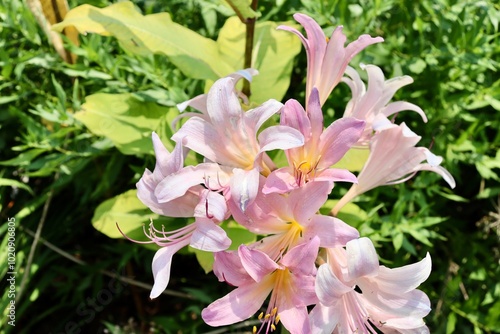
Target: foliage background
x=54 y=172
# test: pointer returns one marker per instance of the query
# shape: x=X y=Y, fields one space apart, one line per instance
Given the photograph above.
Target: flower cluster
x=319 y=274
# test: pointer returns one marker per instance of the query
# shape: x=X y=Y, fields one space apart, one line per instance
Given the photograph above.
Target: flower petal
x=306 y=200
x=244 y=187
x=328 y=287
x=336 y=175
x=279 y=137
x=256 y=263
x=362 y=258
x=280 y=181
x=209 y=237
x=404 y=279
x=228 y=268
x=162 y=262
x=338 y=138
x=331 y=231
x=238 y=305
x=300 y=259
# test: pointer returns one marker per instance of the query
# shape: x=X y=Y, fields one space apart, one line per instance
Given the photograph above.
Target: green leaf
x=131 y=215
x=354 y=159
x=243 y=9
x=196 y=56
x=350 y=213
x=14 y=183
x=273 y=55
x=23 y=159
x=125 y=120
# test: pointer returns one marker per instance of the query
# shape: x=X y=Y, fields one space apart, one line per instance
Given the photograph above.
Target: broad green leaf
x=273 y=55
x=354 y=159
x=243 y=9
x=196 y=56
x=131 y=215
x=125 y=120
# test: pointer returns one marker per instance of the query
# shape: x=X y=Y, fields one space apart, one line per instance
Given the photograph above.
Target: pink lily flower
x=291 y=219
x=357 y=295
x=200 y=102
x=206 y=206
x=290 y=283
x=322 y=148
x=227 y=134
x=393 y=159
x=327 y=59
x=367 y=104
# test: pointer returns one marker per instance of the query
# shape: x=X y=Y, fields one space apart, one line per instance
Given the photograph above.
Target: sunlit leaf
x=354 y=159
x=195 y=55
x=130 y=214
x=243 y=9
x=273 y=55
x=127 y=121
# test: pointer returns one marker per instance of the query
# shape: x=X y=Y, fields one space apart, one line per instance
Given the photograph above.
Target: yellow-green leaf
x=243 y=9
x=126 y=121
x=273 y=55
x=195 y=55
x=131 y=215
x=354 y=159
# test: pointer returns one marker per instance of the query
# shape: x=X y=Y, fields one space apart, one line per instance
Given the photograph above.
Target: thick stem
x=250 y=24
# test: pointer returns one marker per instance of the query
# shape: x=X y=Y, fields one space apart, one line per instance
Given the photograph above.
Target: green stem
x=250 y=24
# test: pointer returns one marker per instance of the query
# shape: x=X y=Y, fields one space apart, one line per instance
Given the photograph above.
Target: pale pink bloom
x=166 y=164
x=357 y=295
x=226 y=134
x=206 y=206
x=322 y=147
x=200 y=102
x=326 y=59
x=367 y=104
x=290 y=282
x=290 y=219
x=204 y=234
x=393 y=159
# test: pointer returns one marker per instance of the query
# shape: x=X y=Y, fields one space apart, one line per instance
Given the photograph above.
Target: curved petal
x=294 y=319
x=228 y=268
x=324 y=319
x=295 y=116
x=162 y=262
x=202 y=137
x=308 y=199
x=279 y=137
x=336 y=175
x=244 y=187
x=398 y=106
x=331 y=231
x=209 y=236
x=222 y=102
x=280 y=181
x=328 y=287
x=212 y=175
x=338 y=138
x=362 y=258
x=404 y=279
x=300 y=259
x=414 y=304
x=257 y=264
x=238 y=305
x=179 y=207
x=254 y=118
